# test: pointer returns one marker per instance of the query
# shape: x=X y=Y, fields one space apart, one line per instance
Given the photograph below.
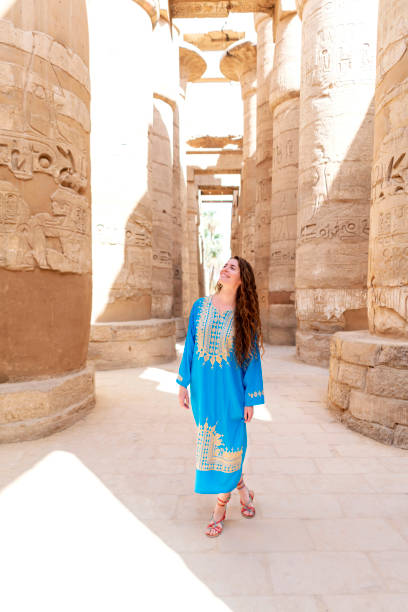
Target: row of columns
x=313 y=156
x=368 y=386
x=336 y=266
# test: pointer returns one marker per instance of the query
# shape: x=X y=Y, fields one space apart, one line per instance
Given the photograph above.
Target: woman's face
x=230 y=275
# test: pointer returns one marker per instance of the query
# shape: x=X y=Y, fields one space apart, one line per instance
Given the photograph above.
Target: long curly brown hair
x=247 y=322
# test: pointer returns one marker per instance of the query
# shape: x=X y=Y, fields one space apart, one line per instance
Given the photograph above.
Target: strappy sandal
x=217 y=526
x=247 y=508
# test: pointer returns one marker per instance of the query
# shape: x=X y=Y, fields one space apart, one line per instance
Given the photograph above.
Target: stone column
x=192 y=67
x=234 y=223
x=122 y=70
x=264 y=62
x=368 y=385
x=193 y=221
x=164 y=149
x=335 y=156
x=284 y=104
x=239 y=64
x=45 y=218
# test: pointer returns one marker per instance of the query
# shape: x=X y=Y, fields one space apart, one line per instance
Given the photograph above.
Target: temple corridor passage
x=102 y=516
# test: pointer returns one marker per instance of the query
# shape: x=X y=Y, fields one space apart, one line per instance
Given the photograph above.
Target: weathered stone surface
x=132 y=344
x=282 y=315
x=388 y=263
x=45 y=231
x=33 y=409
x=392 y=354
x=264 y=61
x=221 y=8
x=313 y=348
x=281 y=336
x=335 y=155
x=401 y=436
x=284 y=104
x=352 y=375
x=161 y=155
x=358 y=347
x=382 y=410
x=339 y=394
x=372 y=430
x=334 y=367
x=388 y=382
x=45 y=216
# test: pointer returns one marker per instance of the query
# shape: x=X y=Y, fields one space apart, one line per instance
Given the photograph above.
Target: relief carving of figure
x=60 y=241
x=14 y=217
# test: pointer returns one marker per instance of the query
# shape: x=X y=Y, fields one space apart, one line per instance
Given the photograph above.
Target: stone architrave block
x=339 y=394
x=352 y=375
x=382 y=410
x=388 y=382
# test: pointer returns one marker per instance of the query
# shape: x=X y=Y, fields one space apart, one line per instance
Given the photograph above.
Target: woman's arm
x=184 y=373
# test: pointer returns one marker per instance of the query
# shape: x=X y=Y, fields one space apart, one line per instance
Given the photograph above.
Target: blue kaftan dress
x=219 y=389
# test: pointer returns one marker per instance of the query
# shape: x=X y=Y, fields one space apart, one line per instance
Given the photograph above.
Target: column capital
x=192 y=63
x=237 y=62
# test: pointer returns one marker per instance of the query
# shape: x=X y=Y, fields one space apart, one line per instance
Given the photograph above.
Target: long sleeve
x=253 y=382
x=184 y=373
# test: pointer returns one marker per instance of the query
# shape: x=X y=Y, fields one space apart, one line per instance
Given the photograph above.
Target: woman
x=221 y=363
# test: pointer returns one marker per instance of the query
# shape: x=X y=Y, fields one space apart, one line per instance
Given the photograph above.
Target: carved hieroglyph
x=44 y=194
x=44 y=131
x=265 y=47
x=284 y=103
x=335 y=156
x=388 y=262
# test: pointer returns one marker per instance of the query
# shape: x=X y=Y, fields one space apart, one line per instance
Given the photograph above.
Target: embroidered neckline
x=221 y=312
x=214 y=334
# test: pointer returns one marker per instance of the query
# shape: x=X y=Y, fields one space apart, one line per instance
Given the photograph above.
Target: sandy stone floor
x=102 y=517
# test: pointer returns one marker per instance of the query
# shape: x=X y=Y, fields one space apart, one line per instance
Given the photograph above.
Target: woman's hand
x=248 y=413
x=183 y=396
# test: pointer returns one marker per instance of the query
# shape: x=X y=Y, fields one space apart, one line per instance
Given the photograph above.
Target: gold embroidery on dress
x=256 y=393
x=214 y=335
x=211 y=453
